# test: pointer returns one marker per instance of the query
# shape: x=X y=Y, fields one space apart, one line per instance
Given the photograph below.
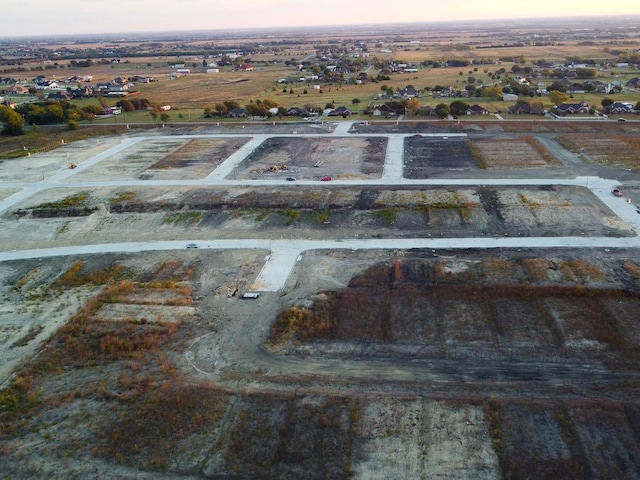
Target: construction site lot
x=164 y=159
x=368 y=363
x=110 y=214
x=160 y=345
x=426 y=157
x=618 y=151
x=309 y=158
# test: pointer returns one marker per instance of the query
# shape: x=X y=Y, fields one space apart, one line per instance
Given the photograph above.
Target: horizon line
x=285 y=28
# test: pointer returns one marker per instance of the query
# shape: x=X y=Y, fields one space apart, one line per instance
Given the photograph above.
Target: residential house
x=476 y=110
x=523 y=109
x=60 y=96
x=408 y=92
x=600 y=87
x=620 y=108
x=47 y=85
x=427 y=111
x=340 y=112
x=17 y=90
x=245 y=67
x=84 y=91
x=573 y=108
x=633 y=83
x=296 y=112
x=237 y=113
x=383 y=110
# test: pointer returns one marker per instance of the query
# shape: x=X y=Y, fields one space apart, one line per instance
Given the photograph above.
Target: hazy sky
x=41 y=17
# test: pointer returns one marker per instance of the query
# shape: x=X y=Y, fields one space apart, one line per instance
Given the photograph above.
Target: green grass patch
x=123 y=196
x=387 y=214
x=183 y=218
x=72 y=201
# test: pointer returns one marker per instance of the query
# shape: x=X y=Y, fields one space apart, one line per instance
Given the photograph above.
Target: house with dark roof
x=408 y=92
x=427 y=111
x=523 y=109
x=296 y=112
x=237 y=113
x=573 y=108
x=340 y=112
x=60 y=96
x=476 y=110
x=620 y=108
x=633 y=83
x=383 y=110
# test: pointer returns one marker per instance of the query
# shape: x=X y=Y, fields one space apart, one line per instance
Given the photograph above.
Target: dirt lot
x=496 y=363
x=313 y=159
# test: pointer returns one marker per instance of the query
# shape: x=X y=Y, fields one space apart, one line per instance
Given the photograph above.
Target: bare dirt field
x=372 y=364
x=315 y=158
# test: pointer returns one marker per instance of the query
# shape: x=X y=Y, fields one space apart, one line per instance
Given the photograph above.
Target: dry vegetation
x=614 y=150
x=559 y=306
x=519 y=152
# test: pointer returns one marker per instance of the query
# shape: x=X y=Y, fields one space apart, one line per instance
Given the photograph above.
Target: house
x=17 y=90
x=427 y=111
x=619 y=108
x=296 y=112
x=408 y=92
x=60 y=96
x=523 y=109
x=237 y=113
x=340 y=112
x=245 y=67
x=47 y=85
x=476 y=110
x=573 y=108
x=84 y=91
x=600 y=87
x=384 y=110
x=633 y=83
x=509 y=97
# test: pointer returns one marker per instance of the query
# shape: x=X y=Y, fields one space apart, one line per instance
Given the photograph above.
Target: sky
x=41 y=17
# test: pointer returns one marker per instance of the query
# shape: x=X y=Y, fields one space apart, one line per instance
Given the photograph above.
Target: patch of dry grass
x=520 y=152
x=613 y=149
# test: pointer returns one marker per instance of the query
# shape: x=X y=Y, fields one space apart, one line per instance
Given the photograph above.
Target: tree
x=458 y=107
x=605 y=102
x=126 y=105
x=221 y=109
x=12 y=121
x=493 y=91
x=442 y=109
x=557 y=97
x=586 y=73
x=355 y=101
x=412 y=105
